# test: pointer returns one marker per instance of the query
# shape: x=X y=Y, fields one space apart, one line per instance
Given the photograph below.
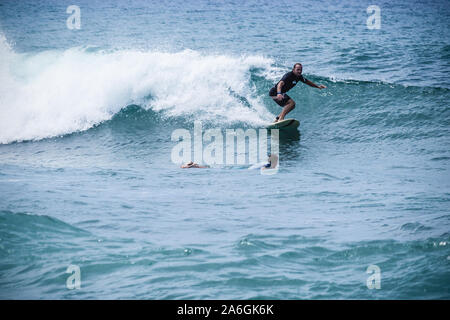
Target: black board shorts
x=283 y=102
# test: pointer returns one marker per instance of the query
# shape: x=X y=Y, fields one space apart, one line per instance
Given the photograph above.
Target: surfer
x=287 y=82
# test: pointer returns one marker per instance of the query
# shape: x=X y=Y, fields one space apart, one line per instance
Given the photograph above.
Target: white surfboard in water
x=284 y=124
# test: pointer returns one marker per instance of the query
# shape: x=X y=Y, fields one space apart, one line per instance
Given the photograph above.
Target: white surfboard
x=284 y=124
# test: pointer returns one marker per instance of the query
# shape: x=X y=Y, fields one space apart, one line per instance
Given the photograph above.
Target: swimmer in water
x=273 y=161
x=191 y=164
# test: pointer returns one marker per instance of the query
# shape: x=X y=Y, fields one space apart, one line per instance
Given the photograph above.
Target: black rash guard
x=290 y=80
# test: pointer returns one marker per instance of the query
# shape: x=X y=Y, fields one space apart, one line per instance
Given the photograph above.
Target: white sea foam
x=53 y=93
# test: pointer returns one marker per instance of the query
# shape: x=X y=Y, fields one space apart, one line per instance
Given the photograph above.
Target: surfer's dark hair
x=297 y=64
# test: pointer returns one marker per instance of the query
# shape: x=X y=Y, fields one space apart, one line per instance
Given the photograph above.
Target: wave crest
x=53 y=93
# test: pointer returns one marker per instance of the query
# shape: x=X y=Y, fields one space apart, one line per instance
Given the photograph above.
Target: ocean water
x=87 y=178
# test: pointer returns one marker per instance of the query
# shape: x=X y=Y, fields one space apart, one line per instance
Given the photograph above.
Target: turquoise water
x=86 y=176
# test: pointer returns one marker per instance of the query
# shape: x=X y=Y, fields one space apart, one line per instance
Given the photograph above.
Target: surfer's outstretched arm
x=312 y=84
